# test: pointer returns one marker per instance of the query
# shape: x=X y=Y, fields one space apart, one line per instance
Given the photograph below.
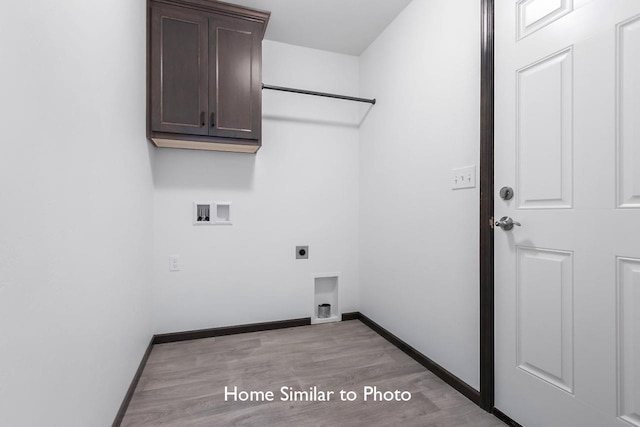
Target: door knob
x=506 y=223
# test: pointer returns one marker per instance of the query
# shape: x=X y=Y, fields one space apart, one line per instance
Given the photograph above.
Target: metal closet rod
x=326 y=95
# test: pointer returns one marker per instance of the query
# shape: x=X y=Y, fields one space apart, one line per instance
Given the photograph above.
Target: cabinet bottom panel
x=210 y=146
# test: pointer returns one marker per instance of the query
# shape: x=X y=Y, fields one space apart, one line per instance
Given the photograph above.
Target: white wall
x=418 y=238
x=75 y=210
x=300 y=189
x=79 y=214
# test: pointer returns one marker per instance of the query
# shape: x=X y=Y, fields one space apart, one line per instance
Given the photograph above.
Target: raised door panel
x=629 y=340
x=545 y=315
x=544 y=133
x=179 y=60
x=628 y=94
x=235 y=78
x=534 y=15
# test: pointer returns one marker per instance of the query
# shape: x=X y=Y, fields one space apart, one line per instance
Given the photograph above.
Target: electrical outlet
x=174 y=262
x=302 y=252
x=464 y=177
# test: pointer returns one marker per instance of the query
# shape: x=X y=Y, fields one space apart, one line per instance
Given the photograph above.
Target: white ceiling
x=343 y=26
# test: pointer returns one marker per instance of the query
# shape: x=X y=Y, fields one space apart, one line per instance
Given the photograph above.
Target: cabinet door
x=179 y=80
x=235 y=78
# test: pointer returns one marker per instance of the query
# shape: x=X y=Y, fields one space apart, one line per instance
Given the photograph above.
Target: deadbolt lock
x=506 y=193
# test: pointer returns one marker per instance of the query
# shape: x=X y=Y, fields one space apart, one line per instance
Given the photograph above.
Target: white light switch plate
x=464 y=177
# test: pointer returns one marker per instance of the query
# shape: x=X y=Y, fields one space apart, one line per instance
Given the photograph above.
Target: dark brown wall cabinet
x=205 y=72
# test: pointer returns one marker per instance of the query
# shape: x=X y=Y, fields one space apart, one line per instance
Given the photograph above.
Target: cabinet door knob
x=202 y=118
x=213 y=120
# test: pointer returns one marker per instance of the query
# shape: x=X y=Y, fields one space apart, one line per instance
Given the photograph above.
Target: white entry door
x=567 y=281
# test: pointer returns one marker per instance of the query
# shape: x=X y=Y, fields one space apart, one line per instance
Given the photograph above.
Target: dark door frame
x=487 y=384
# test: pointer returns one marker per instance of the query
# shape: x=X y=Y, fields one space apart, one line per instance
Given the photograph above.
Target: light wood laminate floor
x=183 y=383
